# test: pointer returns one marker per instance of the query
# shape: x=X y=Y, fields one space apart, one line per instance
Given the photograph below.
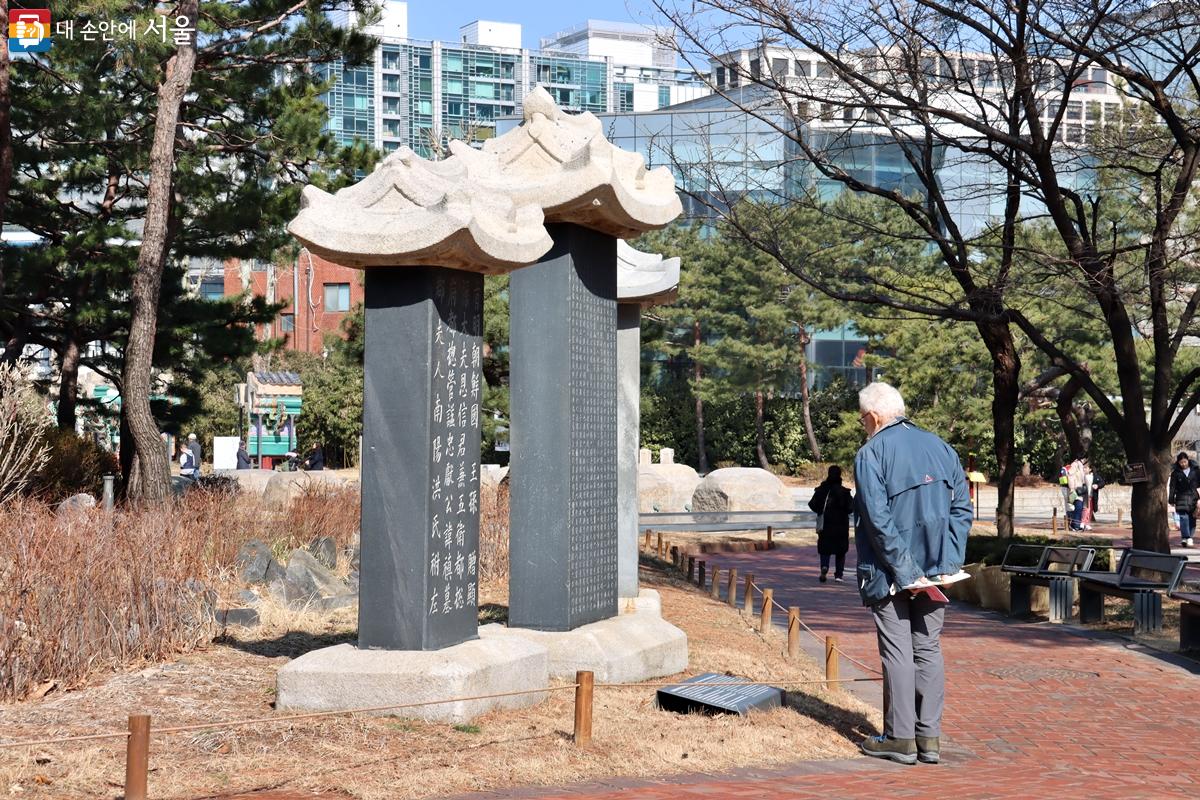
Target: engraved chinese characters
x=454 y=450
x=420 y=514
x=563 y=551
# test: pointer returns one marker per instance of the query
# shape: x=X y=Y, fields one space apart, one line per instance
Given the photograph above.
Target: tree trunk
x=760 y=431
x=813 y=447
x=1148 y=502
x=154 y=469
x=1006 y=390
x=68 y=383
x=701 y=455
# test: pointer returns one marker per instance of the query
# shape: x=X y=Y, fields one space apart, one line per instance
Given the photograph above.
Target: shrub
x=74 y=465
x=319 y=510
x=23 y=425
x=88 y=591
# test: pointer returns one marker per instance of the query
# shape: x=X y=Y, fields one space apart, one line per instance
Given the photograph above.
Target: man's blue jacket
x=914 y=511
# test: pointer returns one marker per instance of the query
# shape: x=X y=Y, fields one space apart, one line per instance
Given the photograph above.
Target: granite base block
x=647 y=601
x=345 y=677
x=622 y=649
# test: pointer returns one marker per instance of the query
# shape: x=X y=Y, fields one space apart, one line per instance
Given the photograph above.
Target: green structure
x=272 y=402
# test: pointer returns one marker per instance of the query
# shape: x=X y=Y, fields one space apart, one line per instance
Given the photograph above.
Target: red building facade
x=326 y=291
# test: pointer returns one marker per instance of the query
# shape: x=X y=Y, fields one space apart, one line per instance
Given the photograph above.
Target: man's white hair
x=881 y=398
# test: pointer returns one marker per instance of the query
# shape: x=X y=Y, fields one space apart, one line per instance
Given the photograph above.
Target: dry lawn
x=381 y=757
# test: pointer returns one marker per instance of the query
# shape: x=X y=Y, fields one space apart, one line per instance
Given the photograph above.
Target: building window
x=337 y=297
x=624 y=93
x=664 y=96
x=803 y=68
x=779 y=68
x=755 y=68
x=391 y=83
x=287 y=323
x=720 y=77
x=212 y=288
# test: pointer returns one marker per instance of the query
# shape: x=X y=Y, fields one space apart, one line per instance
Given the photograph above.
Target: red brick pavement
x=1032 y=711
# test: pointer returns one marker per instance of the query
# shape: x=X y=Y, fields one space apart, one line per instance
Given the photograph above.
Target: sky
x=430 y=19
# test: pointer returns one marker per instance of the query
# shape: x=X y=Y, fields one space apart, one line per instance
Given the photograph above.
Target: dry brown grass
x=85 y=593
x=395 y=758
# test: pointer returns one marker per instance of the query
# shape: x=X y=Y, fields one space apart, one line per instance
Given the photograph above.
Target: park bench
x=717 y=521
x=1052 y=568
x=1142 y=577
x=1187 y=592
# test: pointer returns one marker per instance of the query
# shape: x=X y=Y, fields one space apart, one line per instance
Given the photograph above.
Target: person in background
x=832 y=503
x=1076 y=517
x=188 y=466
x=197 y=451
x=1182 y=495
x=1098 y=483
x=914 y=513
x=1064 y=483
x=315 y=460
x=243 y=456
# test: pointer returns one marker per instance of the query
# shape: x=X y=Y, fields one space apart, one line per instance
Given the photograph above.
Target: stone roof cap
x=411 y=211
x=645 y=278
x=563 y=163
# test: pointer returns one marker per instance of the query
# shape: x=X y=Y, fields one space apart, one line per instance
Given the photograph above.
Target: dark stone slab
x=254 y=563
x=739 y=699
x=324 y=549
x=242 y=617
x=563 y=390
x=420 y=472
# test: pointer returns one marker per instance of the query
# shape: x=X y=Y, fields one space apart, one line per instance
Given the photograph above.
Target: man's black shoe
x=902 y=751
x=928 y=749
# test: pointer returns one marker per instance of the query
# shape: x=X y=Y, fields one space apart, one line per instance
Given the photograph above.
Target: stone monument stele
x=563 y=547
x=643 y=280
x=424 y=239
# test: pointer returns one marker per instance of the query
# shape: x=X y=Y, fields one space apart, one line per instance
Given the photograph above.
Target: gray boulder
x=306 y=579
x=241 y=617
x=666 y=487
x=324 y=549
x=255 y=563
x=76 y=503
x=284 y=487
x=334 y=603
x=741 y=489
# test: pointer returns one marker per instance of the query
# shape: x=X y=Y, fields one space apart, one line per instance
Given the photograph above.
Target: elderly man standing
x=914 y=513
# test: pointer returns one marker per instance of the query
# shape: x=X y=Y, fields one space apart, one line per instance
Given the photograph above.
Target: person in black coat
x=1182 y=495
x=316 y=458
x=832 y=502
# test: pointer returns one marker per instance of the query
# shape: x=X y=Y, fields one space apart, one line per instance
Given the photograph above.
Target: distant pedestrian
x=1098 y=483
x=1182 y=494
x=914 y=513
x=197 y=451
x=188 y=466
x=1078 y=511
x=243 y=456
x=832 y=503
x=315 y=460
x=1064 y=483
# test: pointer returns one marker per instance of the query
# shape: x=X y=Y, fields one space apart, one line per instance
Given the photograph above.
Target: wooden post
x=1120 y=511
x=137 y=756
x=831 y=662
x=731 y=589
x=672 y=553
x=700 y=575
x=660 y=545
x=715 y=583
x=648 y=545
x=793 y=632
x=764 y=617
x=770 y=536
x=691 y=568
x=1054 y=521
x=583 y=707
x=749 y=590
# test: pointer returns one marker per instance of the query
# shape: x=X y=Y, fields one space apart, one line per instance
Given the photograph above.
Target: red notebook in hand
x=933 y=592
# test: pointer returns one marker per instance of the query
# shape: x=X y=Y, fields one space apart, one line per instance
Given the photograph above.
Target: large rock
x=324 y=549
x=250 y=481
x=76 y=503
x=284 y=487
x=666 y=487
x=255 y=564
x=307 y=580
x=741 y=489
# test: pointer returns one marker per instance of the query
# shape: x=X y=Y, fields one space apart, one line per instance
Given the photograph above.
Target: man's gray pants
x=914 y=677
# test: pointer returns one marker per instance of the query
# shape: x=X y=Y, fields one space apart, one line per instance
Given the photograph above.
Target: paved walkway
x=1032 y=711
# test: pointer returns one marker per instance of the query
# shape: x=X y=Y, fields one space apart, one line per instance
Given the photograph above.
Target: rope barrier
x=368 y=709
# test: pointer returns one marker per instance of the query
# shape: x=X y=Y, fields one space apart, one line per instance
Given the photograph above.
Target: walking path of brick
x=1033 y=710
